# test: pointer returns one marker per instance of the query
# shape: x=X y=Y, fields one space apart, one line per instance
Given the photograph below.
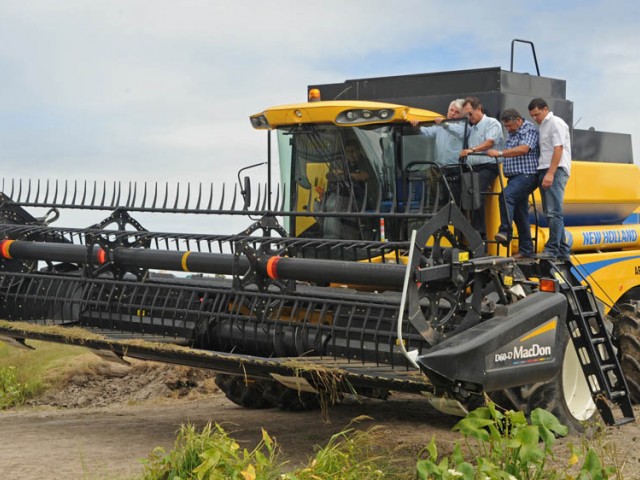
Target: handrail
x=533 y=50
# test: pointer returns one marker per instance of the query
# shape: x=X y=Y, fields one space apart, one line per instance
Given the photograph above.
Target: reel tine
x=222 y=198
x=66 y=191
x=175 y=205
x=155 y=196
x=144 y=196
x=199 y=195
x=104 y=193
x=117 y=204
x=186 y=203
x=235 y=192
x=166 y=195
x=75 y=192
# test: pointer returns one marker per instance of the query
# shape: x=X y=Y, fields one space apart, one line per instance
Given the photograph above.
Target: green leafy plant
x=12 y=392
x=506 y=446
x=211 y=454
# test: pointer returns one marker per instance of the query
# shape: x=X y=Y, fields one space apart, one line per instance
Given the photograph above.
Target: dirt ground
x=107 y=419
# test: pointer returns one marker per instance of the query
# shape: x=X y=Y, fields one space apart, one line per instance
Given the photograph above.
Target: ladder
x=593 y=345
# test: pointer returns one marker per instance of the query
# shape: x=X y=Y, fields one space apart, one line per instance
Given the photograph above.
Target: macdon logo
x=520 y=352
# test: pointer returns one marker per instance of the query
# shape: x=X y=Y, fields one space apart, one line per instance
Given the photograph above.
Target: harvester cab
x=361 y=275
x=346 y=164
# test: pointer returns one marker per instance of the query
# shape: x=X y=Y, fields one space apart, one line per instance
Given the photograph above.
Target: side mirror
x=245 y=185
x=245 y=191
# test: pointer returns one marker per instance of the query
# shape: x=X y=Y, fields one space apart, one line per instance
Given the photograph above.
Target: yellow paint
x=310 y=199
x=618 y=272
x=327 y=112
x=547 y=327
x=184 y=260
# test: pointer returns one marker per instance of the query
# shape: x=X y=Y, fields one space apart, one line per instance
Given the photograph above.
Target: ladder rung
x=618 y=394
x=624 y=420
x=598 y=340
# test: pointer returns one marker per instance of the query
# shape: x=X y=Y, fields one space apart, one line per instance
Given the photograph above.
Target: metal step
x=592 y=341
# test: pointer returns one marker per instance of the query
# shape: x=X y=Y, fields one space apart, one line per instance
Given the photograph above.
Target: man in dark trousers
x=553 y=173
x=520 y=166
x=484 y=133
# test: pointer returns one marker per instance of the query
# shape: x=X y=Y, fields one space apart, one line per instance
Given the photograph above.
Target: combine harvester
x=359 y=277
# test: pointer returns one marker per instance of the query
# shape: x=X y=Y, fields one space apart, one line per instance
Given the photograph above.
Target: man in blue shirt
x=520 y=166
x=448 y=137
x=484 y=133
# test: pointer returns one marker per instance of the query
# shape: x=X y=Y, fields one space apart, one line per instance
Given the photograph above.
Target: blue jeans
x=515 y=208
x=552 y=200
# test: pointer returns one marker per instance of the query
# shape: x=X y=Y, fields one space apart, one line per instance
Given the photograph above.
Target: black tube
x=57 y=252
x=200 y=262
x=335 y=271
x=311 y=270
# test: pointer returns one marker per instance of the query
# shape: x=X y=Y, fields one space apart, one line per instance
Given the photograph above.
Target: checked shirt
x=527 y=134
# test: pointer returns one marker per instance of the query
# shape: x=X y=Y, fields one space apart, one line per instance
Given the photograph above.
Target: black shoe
x=502 y=239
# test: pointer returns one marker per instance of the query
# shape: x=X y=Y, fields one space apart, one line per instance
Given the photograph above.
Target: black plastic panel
x=497 y=89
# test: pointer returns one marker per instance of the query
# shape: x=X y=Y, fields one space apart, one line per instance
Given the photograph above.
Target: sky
x=162 y=90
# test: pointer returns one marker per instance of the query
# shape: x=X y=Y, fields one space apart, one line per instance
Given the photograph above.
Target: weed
x=353 y=455
x=506 y=446
x=211 y=454
x=12 y=392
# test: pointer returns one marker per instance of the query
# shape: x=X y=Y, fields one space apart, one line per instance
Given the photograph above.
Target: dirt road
x=104 y=422
x=109 y=441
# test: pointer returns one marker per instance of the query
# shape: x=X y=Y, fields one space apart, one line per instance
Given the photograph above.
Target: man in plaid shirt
x=520 y=166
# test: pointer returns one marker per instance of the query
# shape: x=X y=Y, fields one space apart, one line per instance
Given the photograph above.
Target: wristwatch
x=500 y=152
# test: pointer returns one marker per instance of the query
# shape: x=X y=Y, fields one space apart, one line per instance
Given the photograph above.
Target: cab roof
x=345 y=113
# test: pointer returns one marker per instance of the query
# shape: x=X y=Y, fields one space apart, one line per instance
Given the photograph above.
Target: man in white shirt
x=484 y=133
x=554 y=169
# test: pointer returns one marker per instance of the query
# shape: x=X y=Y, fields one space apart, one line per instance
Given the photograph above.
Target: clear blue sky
x=162 y=90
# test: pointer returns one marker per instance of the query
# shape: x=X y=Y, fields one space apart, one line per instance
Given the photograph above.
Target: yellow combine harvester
x=362 y=272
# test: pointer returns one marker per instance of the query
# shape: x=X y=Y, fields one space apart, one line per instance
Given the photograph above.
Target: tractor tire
x=245 y=392
x=627 y=334
x=566 y=395
x=289 y=399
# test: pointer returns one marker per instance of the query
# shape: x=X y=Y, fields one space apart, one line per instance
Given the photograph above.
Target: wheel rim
x=577 y=395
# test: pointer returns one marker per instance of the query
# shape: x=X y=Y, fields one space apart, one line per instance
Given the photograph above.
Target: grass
x=212 y=453
x=353 y=455
x=493 y=445
x=33 y=371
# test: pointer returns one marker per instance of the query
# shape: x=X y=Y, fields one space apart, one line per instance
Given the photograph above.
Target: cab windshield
x=361 y=171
